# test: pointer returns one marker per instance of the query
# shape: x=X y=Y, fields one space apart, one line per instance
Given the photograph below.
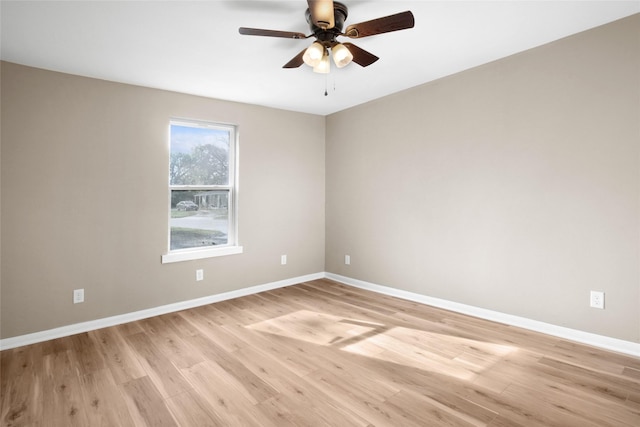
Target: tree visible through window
x=201 y=180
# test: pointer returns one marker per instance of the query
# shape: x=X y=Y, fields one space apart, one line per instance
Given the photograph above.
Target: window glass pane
x=199 y=218
x=199 y=155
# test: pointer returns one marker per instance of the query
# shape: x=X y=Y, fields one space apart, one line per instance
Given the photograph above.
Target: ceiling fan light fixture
x=326 y=19
x=324 y=66
x=341 y=55
x=313 y=55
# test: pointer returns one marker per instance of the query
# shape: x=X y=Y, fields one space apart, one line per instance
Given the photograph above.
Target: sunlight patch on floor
x=459 y=357
x=314 y=327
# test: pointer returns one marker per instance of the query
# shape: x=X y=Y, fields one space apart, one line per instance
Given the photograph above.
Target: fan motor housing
x=340 y=13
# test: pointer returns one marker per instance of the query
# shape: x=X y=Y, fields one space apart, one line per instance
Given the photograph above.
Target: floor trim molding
x=601 y=341
x=64 y=331
x=608 y=343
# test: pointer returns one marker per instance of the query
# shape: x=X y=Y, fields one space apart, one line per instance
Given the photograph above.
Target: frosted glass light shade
x=324 y=66
x=341 y=55
x=313 y=55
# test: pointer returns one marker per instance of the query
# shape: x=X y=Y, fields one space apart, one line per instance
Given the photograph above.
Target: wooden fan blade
x=399 y=21
x=322 y=13
x=360 y=56
x=296 y=61
x=271 y=33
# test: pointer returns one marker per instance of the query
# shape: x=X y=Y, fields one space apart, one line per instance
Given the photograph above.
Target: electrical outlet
x=347 y=260
x=283 y=259
x=199 y=275
x=597 y=299
x=78 y=296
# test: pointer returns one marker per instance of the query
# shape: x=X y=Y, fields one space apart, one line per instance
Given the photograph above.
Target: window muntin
x=202 y=190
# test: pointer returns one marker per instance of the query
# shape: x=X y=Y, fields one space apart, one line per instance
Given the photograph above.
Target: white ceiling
x=194 y=46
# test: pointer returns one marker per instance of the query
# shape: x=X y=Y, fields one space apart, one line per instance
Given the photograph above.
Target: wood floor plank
x=168 y=340
x=130 y=328
x=145 y=403
x=275 y=410
x=181 y=325
x=103 y=401
x=615 y=387
x=368 y=404
x=89 y=358
x=57 y=345
x=189 y=409
x=317 y=354
x=62 y=401
x=633 y=401
x=573 y=396
x=118 y=356
x=447 y=395
x=204 y=326
x=224 y=397
x=307 y=404
x=165 y=376
x=420 y=410
x=269 y=369
x=592 y=358
x=22 y=386
x=631 y=373
x=254 y=386
x=557 y=410
x=295 y=358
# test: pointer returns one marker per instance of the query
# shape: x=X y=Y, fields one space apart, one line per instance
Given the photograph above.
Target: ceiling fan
x=326 y=20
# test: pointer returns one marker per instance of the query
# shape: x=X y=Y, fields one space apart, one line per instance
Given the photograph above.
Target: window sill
x=200 y=254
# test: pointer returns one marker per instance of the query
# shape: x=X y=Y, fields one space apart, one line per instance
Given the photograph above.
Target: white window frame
x=232 y=247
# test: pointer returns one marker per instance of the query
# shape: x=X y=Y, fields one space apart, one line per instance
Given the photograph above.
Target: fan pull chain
x=326 y=85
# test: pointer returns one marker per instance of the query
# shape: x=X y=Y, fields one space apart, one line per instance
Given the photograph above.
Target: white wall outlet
x=199 y=275
x=597 y=299
x=283 y=259
x=347 y=259
x=78 y=296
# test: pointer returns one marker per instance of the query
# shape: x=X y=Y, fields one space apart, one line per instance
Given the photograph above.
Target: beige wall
x=84 y=177
x=514 y=186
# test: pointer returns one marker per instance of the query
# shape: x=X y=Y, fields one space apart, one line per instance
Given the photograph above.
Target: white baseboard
x=607 y=343
x=91 y=325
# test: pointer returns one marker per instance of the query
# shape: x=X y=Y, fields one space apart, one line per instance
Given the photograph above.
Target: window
x=202 y=187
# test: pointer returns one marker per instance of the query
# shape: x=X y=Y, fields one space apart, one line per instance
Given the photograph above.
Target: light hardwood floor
x=316 y=354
